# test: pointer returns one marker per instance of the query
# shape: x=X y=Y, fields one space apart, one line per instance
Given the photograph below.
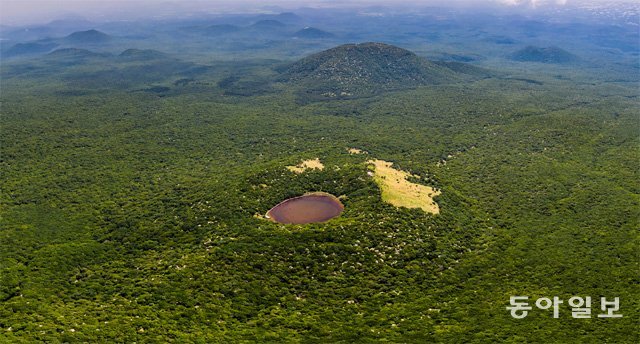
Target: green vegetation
x=131 y=181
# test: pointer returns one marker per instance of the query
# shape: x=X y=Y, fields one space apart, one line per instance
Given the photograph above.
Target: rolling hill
x=544 y=55
x=88 y=37
x=368 y=68
x=31 y=48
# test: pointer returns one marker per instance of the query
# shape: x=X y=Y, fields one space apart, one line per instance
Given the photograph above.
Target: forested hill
x=368 y=68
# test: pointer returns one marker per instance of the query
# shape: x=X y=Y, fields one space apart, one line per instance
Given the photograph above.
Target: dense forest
x=131 y=181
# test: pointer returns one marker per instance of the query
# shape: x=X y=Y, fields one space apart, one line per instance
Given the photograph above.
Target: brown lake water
x=310 y=208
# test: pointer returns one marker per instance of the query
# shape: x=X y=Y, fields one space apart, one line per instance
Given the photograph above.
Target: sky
x=23 y=12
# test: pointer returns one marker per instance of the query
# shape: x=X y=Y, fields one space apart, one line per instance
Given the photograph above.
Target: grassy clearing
x=356 y=151
x=307 y=165
x=397 y=190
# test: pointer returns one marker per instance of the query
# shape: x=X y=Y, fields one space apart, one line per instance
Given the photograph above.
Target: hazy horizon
x=18 y=13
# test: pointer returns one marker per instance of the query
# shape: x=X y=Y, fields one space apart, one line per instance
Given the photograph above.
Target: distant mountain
x=32 y=48
x=88 y=37
x=268 y=24
x=286 y=17
x=143 y=55
x=313 y=33
x=544 y=55
x=75 y=53
x=369 y=68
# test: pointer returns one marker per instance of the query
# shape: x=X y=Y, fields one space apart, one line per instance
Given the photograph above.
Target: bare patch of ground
x=400 y=192
x=306 y=165
x=356 y=151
